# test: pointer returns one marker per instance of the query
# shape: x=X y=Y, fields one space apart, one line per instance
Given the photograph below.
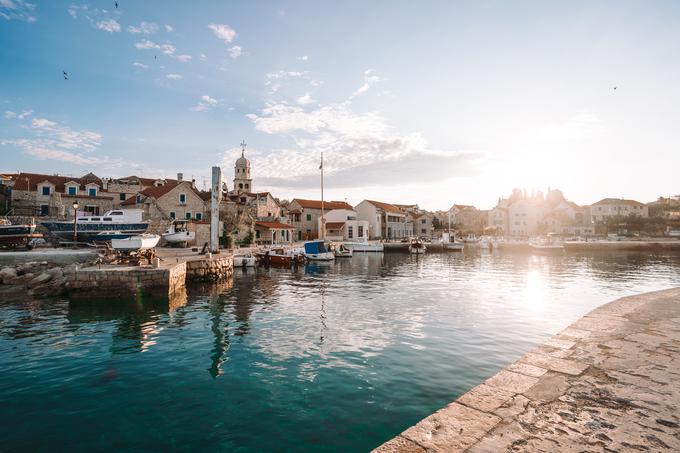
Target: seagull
x=615 y=88
x=116 y=3
x=155 y=57
x=65 y=75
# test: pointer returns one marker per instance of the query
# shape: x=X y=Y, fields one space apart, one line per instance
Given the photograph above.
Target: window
x=138 y=199
x=423 y=221
x=188 y=215
x=240 y=185
x=257 y=234
x=182 y=198
x=361 y=231
x=309 y=217
x=92 y=192
x=173 y=215
x=108 y=219
x=121 y=197
x=44 y=209
x=423 y=230
x=199 y=216
x=72 y=190
x=45 y=190
x=350 y=232
x=247 y=186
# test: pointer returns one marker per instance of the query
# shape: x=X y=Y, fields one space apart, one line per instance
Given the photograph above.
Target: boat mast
x=323 y=220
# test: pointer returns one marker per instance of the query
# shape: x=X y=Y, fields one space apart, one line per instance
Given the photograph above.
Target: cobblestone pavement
x=609 y=382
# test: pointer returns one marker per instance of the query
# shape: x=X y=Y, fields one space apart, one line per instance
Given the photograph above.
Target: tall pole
x=75 y=223
x=323 y=219
x=215 y=197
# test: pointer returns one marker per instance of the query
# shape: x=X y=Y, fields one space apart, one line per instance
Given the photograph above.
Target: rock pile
x=37 y=278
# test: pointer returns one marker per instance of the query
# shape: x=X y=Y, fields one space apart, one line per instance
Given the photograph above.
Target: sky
x=431 y=102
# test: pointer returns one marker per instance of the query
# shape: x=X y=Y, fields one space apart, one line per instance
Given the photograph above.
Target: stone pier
x=609 y=382
x=124 y=282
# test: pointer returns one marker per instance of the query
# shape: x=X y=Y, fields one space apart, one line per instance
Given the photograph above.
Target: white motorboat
x=245 y=260
x=140 y=242
x=125 y=222
x=448 y=244
x=362 y=245
x=341 y=251
x=546 y=245
x=470 y=239
x=417 y=247
x=317 y=251
x=178 y=233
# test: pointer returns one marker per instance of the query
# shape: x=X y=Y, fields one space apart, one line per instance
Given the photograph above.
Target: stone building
x=343 y=225
x=273 y=232
x=422 y=224
x=172 y=200
x=35 y=194
x=617 y=207
x=468 y=218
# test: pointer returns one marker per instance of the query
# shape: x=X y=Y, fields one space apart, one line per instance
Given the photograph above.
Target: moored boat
x=341 y=251
x=245 y=260
x=177 y=233
x=317 y=251
x=16 y=235
x=278 y=256
x=88 y=228
x=139 y=242
x=362 y=245
x=417 y=247
x=546 y=245
x=449 y=244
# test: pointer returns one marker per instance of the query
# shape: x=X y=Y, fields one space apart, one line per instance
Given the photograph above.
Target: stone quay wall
x=609 y=382
x=210 y=269
x=115 y=282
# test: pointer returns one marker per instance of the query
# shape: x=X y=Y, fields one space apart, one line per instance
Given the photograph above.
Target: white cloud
x=279 y=75
x=168 y=49
x=206 y=103
x=10 y=115
x=146 y=44
x=74 y=9
x=140 y=65
x=183 y=58
x=173 y=76
x=202 y=56
x=146 y=28
x=303 y=58
x=369 y=80
x=169 y=28
x=235 y=51
x=223 y=32
x=17 y=10
x=305 y=99
x=109 y=25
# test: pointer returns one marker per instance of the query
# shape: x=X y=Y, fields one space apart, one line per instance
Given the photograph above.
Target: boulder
x=40 y=279
x=7 y=274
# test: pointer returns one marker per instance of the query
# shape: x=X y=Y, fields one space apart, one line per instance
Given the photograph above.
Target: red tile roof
x=30 y=181
x=386 y=207
x=327 y=205
x=618 y=201
x=274 y=225
x=158 y=192
x=334 y=225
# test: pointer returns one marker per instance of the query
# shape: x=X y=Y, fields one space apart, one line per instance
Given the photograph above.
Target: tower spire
x=243 y=147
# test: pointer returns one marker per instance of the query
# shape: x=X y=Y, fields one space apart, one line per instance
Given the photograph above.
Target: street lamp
x=75 y=225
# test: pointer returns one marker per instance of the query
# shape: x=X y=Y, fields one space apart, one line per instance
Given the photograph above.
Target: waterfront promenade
x=608 y=382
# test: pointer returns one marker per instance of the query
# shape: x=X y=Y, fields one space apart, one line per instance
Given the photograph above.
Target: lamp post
x=75 y=225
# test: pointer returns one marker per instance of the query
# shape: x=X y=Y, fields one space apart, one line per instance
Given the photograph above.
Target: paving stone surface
x=609 y=382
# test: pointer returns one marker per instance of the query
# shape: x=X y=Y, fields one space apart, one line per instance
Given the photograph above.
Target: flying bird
x=65 y=75
x=615 y=88
x=116 y=3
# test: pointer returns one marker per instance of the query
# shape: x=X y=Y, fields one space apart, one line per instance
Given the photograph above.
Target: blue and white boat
x=317 y=251
x=115 y=224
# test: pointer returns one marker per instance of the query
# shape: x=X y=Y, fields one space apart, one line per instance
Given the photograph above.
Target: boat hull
x=89 y=232
x=453 y=246
x=325 y=256
x=364 y=246
x=182 y=236
x=280 y=260
x=136 y=243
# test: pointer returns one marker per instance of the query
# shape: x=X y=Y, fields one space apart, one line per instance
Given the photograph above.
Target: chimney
x=193 y=183
x=179 y=177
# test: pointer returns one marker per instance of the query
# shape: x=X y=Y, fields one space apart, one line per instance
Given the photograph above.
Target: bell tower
x=242 y=180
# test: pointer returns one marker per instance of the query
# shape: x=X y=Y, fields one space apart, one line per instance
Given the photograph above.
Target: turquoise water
x=337 y=357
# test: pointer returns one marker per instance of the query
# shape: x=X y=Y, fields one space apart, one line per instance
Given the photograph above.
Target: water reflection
x=368 y=345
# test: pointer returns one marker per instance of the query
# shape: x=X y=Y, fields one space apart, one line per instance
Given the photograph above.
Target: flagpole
x=323 y=220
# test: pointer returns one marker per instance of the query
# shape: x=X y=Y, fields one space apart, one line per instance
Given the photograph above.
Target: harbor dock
x=165 y=278
x=610 y=381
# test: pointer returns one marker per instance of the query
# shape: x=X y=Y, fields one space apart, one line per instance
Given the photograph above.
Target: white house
x=386 y=221
x=343 y=225
x=617 y=207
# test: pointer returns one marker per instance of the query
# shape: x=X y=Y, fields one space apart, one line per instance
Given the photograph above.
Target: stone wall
x=116 y=282
x=216 y=268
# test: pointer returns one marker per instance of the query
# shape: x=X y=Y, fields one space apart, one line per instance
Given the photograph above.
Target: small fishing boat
x=278 y=256
x=549 y=244
x=16 y=235
x=317 y=251
x=362 y=245
x=139 y=242
x=342 y=252
x=417 y=247
x=244 y=260
x=177 y=233
x=449 y=244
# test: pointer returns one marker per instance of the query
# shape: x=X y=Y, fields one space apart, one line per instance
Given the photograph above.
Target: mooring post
x=215 y=198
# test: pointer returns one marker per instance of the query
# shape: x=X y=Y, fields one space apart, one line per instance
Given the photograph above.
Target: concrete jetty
x=609 y=382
